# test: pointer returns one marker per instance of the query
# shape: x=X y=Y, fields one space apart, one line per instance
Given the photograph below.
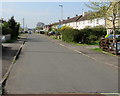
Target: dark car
x=51 y=33
x=42 y=32
x=26 y=31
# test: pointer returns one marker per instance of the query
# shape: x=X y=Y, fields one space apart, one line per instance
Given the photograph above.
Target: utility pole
x=23 y=24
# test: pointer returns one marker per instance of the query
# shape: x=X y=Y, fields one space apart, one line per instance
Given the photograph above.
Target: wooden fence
x=109 y=45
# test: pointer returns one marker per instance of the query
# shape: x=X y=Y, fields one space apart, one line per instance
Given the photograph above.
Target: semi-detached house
x=82 y=21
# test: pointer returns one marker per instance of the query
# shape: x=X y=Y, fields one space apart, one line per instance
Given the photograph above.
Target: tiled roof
x=72 y=19
x=85 y=17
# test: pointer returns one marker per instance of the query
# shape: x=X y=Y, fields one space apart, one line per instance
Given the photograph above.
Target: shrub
x=87 y=35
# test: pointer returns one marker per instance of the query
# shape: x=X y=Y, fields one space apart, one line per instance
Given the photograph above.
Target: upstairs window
x=97 y=21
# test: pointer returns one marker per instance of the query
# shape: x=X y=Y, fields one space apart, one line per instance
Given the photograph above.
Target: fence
x=110 y=45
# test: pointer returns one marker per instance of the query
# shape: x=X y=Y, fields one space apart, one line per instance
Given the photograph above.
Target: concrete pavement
x=9 y=51
x=46 y=67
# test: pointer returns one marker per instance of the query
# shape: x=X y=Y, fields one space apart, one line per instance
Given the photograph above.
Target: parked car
x=30 y=32
x=51 y=33
x=42 y=32
x=118 y=47
x=111 y=36
x=26 y=31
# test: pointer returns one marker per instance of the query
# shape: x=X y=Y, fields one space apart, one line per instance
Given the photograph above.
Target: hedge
x=87 y=35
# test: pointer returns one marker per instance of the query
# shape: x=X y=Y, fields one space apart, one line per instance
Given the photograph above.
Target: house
x=47 y=27
x=78 y=22
x=85 y=21
x=72 y=22
x=82 y=21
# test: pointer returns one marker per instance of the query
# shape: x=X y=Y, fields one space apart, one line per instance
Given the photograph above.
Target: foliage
x=99 y=9
x=39 y=26
x=108 y=10
x=85 y=36
x=14 y=27
x=6 y=29
x=10 y=27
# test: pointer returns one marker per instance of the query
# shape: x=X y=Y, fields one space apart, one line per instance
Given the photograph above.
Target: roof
x=85 y=17
x=72 y=19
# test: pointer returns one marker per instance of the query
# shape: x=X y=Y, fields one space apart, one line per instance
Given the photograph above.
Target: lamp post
x=61 y=17
x=61 y=13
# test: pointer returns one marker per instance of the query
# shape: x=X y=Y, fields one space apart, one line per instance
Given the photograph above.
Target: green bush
x=87 y=35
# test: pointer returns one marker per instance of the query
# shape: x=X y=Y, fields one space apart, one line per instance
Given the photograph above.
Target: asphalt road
x=46 y=67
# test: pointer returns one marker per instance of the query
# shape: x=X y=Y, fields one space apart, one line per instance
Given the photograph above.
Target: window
x=83 y=22
x=97 y=21
x=91 y=21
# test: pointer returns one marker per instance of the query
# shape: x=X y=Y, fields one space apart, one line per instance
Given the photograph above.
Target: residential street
x=46 y=67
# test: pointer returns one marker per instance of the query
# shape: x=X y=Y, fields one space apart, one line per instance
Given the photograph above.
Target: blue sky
x=46 y=12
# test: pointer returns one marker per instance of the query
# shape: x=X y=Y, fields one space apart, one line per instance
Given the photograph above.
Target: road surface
x=47 y=67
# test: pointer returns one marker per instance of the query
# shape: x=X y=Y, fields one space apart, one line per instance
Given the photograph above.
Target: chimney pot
x=68 y=17
x=76 y=14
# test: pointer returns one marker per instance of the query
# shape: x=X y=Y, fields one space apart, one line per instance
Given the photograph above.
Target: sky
x=46 y=12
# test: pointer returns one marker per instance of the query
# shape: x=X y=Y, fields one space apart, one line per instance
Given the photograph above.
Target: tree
x=40 y=25
x=5 y=28
x=14 y=26
x=108 y=10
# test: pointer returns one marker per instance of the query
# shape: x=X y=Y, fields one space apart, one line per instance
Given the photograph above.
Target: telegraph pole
x=23 y=24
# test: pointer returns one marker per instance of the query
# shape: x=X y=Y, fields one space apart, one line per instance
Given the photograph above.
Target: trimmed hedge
x=87 y=35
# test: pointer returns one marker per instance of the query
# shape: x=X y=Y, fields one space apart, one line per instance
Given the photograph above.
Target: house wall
x=91 y=23
x=85 y=23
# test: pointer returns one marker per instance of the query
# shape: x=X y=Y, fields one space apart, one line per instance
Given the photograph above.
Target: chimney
x=76 y=15
x=68 y=17
x=83 y=14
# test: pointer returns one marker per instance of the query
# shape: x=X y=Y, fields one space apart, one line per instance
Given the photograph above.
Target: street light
x=61 y=13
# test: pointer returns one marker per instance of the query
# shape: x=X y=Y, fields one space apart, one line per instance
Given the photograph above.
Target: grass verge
x=100 y=50
x=21 y=36
x=81 y=44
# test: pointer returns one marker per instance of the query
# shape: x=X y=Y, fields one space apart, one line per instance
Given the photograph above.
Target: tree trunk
x=114 y=33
